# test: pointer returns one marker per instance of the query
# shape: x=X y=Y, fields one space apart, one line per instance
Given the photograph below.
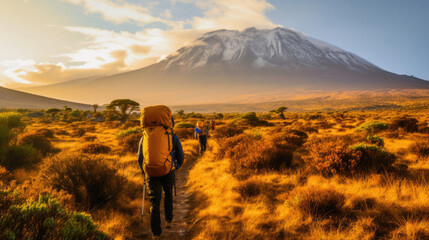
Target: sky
x=51 y=41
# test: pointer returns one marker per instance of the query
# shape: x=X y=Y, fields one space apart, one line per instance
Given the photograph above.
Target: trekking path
x=181 y=209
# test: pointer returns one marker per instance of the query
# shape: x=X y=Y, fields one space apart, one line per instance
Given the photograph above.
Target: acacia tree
x=280 y=110
x=95 y=106
x=126 y=107
x=181 y=112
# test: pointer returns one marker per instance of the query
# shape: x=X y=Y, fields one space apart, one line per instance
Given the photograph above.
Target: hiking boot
x=169 y=225
x=155 y=237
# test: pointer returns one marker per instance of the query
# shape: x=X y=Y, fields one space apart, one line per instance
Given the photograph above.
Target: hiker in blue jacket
x=157 y=184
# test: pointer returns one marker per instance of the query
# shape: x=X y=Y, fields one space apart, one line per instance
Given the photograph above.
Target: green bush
x=127 y=132
x=375 y=140
x=20 y=156
x=185 y=125
x=44 y=219
x=373 y=158
x=373 y=127
x=251 y=119
x=5 y=136
x=10 y=119
x=91 y=180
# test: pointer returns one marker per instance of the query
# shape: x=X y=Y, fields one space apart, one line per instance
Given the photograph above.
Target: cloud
x=238 y=15
x=117 y=12
x=105 y=51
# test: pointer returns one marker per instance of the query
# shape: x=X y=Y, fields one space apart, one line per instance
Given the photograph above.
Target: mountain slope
x=230 y=66
x=15 y=99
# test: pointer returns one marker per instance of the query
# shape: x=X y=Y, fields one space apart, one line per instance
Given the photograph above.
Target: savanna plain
x=70 y=174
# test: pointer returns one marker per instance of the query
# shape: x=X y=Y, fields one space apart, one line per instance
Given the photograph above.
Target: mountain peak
x=280 y=48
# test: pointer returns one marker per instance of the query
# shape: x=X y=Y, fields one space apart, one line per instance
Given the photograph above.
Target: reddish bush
x=330 y=158
x=95 y=148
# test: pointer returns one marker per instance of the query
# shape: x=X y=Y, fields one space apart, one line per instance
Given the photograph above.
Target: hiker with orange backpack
x=202 y=131
x=160 y=154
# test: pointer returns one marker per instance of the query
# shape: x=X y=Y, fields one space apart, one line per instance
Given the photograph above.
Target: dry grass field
x=311 y=175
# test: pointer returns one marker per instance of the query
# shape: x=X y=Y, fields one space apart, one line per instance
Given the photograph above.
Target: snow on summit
x=279 y=48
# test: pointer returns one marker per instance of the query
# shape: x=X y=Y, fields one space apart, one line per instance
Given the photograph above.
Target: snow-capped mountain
x=275 y=48
x=238 y=66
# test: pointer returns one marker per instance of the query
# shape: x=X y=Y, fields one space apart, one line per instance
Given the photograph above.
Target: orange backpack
x=157 y=140
x=202 y=127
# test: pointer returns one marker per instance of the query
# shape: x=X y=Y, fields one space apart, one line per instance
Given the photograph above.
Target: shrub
x=375 y=140
x=329 y=158
x=251 y=119
x=44 y=219
x=291 y=137
x=10 y=119
x=78 y=132
x=131 y=142
x=247 y=154
x=90 y=138
x=373 y=127
x=127 y=132
x=420 y=148
x=227 y=131
x=20 y=156
x=250 y=188
x=38 y=141
x=406 y=123
x=48 y=133
x=319 y=202
x=373 y=158
x=184 y=133
x=5 y=136
x=185 y=125
x=95 y=148
x=92 y=181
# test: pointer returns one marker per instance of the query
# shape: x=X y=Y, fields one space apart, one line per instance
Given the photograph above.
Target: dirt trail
x=180 y=212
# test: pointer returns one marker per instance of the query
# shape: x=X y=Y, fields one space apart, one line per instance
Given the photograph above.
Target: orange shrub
x=38 y=141
x=92 y=181
x=329 y=157
x=95 y=148
x=318 y=202
x=226 y=131
x=184 y=133
x=250 y=155
x=130 y=143
x=420 y=147
x=46 y=132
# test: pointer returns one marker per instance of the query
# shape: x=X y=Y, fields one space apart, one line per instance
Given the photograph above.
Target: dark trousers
x=203 y=143
x=155 y=186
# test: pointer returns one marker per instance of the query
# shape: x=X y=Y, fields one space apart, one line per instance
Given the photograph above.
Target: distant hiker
x=160 y=153
x=213 y=124
x=202 y=131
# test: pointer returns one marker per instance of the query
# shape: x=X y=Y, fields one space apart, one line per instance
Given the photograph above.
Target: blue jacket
x=177 y=155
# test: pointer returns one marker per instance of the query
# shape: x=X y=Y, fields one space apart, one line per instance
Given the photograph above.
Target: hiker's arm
x=140 y=155
x=180 y=156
